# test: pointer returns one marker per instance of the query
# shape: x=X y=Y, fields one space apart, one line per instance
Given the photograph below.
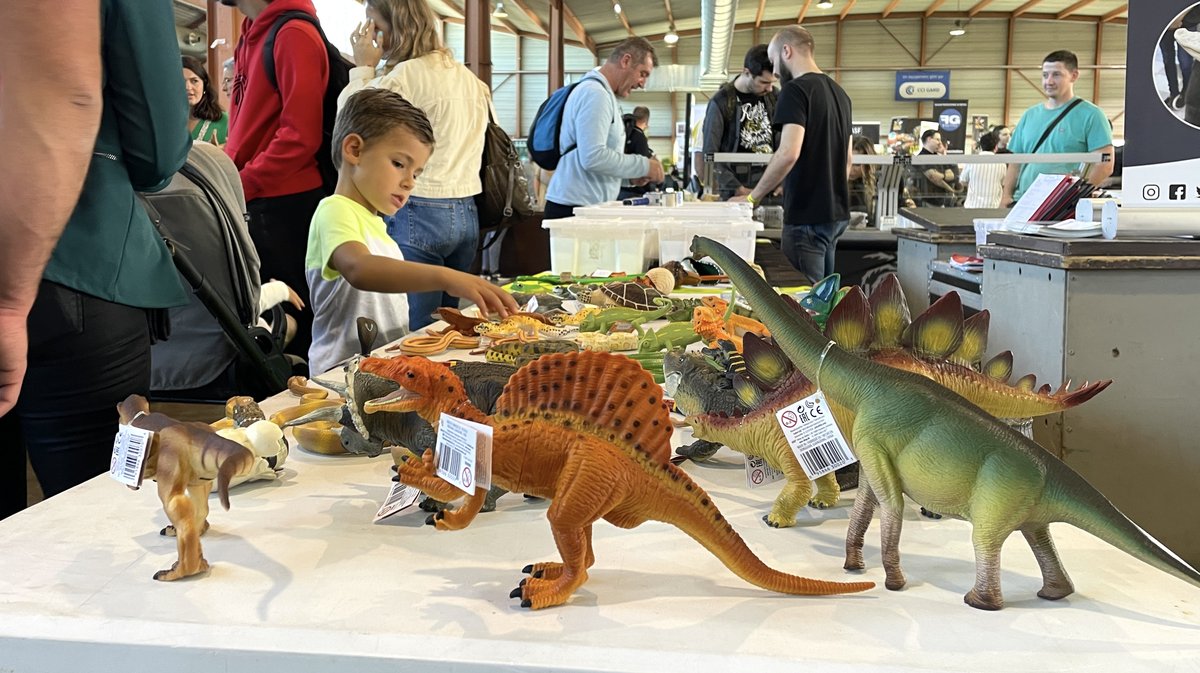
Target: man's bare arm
x=1010 y=183
x=1101 y=171
x=50 y=106
x=790 y=144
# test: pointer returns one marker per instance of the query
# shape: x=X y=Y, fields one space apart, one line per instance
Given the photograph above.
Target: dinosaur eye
x=410 y=375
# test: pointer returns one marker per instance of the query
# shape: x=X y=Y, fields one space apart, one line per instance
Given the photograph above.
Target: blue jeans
x=442 y=232
x=811 y=247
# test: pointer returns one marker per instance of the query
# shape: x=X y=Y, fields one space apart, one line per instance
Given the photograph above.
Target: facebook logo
x=1177 y=192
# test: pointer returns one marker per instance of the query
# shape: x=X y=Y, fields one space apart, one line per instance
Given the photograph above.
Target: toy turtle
x=628 y=294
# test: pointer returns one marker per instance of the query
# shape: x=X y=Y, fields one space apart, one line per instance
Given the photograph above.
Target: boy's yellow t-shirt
x=335 y=303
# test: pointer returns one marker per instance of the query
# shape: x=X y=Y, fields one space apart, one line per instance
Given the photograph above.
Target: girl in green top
x=207 y=121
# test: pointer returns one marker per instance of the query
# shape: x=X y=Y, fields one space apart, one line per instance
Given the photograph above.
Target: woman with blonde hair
x=439 y=224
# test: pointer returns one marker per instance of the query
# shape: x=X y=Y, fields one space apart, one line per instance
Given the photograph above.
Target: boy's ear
x=352 y=148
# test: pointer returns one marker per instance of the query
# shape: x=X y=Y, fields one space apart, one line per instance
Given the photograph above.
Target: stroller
x=216 y=349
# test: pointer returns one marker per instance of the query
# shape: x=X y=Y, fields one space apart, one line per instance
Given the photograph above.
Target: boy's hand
x=489 y=298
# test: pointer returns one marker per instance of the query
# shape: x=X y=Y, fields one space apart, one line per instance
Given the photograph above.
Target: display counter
x=928 y=234
x=863 y=257
x=1127 y=310
x=302 y=581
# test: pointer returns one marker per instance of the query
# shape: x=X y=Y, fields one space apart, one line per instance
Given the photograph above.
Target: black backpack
x=339 y=77
x=505 y=189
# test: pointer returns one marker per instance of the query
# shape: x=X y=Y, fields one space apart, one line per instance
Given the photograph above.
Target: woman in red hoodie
x=274 y=136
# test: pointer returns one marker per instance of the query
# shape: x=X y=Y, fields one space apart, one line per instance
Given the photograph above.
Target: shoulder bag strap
x=1054 y=123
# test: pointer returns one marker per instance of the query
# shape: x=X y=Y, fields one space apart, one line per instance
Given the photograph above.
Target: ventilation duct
x=717 y=22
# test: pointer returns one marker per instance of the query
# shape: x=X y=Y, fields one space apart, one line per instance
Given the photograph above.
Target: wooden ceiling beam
x=1115 y=13
x=762 y=5
x=624 y=20
x=670 y=14
x=537 y=20
x=803 y=11
x=933 y=7
x=979 y=7
x=1025 y=8
x=1073 y=8
x=577 y=27
x=455 y=7
x=890 y=6
x=850 y=5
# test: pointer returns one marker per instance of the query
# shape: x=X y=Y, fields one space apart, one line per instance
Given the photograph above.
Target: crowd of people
x=366 y=206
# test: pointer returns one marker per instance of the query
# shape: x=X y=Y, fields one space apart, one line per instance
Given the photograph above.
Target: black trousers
x=279 y=227
x=85 y=355
x=557 y=211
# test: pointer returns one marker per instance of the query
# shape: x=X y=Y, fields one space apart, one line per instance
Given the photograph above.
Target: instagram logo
x=1150 y=192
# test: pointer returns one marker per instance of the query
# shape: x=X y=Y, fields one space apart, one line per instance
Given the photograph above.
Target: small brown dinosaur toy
x=590 y=432
x=185 y=458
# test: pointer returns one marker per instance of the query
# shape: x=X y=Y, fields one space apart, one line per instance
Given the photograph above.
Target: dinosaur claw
x=537 y=574
x=523 y=582
x=396 y=477
x=515 y=593
x=527 y=603
x=767 y=520
x=527 y=569
x=429 y=520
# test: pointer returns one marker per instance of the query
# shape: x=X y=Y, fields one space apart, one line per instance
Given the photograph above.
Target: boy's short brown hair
x=372 y=114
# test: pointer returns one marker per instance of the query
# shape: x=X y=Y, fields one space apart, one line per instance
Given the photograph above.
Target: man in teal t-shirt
x=1083 y=129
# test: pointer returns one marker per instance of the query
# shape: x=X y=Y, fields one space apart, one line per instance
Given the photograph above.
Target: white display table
x=303 y=581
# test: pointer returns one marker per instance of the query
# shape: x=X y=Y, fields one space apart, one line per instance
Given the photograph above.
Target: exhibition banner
x=951 y=116
x=869 y=130
x=917 y=85
x=1162 y=105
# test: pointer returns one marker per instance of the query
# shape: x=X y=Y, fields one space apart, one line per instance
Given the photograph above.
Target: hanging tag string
x=821 y=362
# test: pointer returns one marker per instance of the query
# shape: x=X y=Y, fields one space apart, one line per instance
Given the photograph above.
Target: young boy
x=381 y=143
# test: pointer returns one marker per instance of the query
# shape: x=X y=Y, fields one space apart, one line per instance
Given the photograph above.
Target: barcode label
x=463 y=453
x=759 y=473
x=129 y=454
x=400 y=498
x=814 y=436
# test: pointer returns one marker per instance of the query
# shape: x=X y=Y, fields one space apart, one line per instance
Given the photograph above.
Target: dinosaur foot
x=981 y=601
x=169 y=530
x=778 y=521
x=538 y=593
x=931 y=515
x=854 y=561
x=1054 y=592
x=895 y=582
x=431 y=505
x=823 y=503
x=175 y=572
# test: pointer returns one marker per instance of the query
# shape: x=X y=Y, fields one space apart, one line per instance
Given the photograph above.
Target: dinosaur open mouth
x=401 y=399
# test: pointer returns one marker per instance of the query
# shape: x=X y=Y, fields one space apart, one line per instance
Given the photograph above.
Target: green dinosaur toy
x=672 y=335
x=914 y=437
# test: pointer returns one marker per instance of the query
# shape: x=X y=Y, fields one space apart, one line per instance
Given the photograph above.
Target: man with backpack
x=278 y=123
x=591 y=133
x=738 y=119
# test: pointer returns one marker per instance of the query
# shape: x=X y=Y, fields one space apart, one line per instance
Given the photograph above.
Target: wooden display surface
x=302 y=581
x=1093 y=253
x=951 y=220
x=950 y=237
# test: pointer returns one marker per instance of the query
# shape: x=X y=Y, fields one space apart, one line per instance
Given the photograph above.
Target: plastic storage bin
x=581 y=245
x=675 y=237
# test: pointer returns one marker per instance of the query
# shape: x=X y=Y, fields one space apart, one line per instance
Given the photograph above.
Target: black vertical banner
x=1162 y=137
x=952 y=119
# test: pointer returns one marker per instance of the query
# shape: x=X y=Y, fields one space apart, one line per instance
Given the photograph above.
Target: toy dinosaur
x=671 y=335
x=608 y=343
x=241 y=424
x=185 y=459
x=364 y=434
x=713 y=326
x=914 y=437
x=519 y=354
x=590 y=432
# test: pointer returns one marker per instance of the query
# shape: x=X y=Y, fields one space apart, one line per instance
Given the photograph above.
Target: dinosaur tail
x=233 y=464
x=691 y=510
x=1078 y=503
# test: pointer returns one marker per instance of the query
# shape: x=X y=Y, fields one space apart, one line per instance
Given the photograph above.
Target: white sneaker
x=1189 y=40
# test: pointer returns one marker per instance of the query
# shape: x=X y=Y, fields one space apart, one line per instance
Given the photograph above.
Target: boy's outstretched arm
x=373 y=273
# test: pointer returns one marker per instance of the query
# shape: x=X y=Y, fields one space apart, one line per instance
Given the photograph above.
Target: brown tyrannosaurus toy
x=185 y=458
x=590 y=432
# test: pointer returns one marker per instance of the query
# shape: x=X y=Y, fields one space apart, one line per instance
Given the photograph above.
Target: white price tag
x=129 y=453
x=464 y=453
x=572 y=306
x=401 y=498
x=601 y=273
x=532 y=306
x=814 y=436
x=759 y=474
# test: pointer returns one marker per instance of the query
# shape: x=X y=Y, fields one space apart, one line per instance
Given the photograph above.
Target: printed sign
x=759 y=474
x=400 y=498
x=952 y=119
x=868 y=130
x=129 y=453
x=464 y=453
x=915 y=85
x=814 y=436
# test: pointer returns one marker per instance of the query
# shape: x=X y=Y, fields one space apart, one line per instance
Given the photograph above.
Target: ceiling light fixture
x=958 y=30
x=824 y=4
x=671 y=37
x=499 y=13
x=617 y=7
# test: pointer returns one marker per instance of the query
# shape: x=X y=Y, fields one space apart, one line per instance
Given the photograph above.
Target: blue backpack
x=544 y=133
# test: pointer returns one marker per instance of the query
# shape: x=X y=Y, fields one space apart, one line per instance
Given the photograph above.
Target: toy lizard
x=713 y=326
x=590 y=432
x=671 y=335
x=185 y=459
x=519 y=354
x=914 y=437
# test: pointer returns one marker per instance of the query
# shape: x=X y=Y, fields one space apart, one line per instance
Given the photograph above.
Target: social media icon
x=1177 y=192
x=1150 y=192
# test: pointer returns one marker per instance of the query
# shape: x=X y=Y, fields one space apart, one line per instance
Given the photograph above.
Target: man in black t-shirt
x=934 y=185
x=738 y=119
x=813 y=158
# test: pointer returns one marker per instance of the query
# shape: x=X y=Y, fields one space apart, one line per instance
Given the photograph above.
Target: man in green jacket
x=90 y=327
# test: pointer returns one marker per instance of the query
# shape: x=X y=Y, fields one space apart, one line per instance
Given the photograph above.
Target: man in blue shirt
x=591 y=172
x=1083 y=128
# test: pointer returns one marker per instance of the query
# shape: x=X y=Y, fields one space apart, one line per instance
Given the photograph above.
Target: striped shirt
x=985 y=183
